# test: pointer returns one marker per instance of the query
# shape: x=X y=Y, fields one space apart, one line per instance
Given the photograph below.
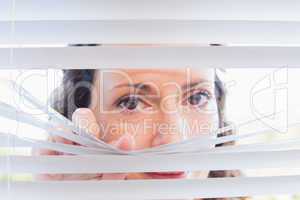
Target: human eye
x=131 y=103
x=199 y=99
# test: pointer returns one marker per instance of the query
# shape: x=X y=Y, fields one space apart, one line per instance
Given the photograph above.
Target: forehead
x=117 y=76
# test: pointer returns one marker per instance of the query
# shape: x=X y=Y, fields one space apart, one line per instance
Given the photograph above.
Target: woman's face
x=154 y=107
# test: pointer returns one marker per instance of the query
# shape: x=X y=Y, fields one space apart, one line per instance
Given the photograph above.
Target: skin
x=146 y=108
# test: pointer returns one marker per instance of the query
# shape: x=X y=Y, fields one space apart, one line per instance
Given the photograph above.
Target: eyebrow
x=140 y=86
x=194 y=84
x=146 y=88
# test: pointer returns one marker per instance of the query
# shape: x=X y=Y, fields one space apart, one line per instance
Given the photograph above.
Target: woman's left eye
x=198 y=99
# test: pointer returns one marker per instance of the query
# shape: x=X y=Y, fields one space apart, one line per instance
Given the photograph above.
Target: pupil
x=195 y=99
x=131 y=104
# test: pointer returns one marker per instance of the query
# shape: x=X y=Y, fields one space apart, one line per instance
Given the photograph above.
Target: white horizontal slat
x=7 y=141
x=151 y=57
x=151 y=189
x=155 y=9
x=152 y=31
x=5 y=10
x=5 y=56
x=12 y=141
x=152 y=163
x=15 y=142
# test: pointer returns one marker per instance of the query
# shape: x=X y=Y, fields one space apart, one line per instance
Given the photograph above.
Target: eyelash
x=128 y=98
x=205 y=93
x=138 y=100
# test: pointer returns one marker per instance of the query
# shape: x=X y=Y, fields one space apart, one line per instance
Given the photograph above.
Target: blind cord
x=12 y=36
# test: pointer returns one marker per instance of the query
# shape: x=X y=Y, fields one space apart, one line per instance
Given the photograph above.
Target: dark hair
x=72 y=96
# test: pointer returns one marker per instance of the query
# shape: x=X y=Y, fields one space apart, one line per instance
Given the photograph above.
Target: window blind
x=152 y=31
x=153 y=189
x=227 y=21
x=145 y=57
x=263 y=10
x=170 y=34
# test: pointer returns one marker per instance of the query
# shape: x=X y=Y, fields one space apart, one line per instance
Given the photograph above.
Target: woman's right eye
x=130 y=103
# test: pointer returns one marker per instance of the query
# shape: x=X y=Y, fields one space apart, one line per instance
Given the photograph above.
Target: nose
x=170 y=129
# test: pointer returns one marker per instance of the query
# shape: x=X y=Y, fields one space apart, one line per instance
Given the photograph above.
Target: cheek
x=142 y=130
x=198 y=124
x=201 y=121
x=144 y=136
